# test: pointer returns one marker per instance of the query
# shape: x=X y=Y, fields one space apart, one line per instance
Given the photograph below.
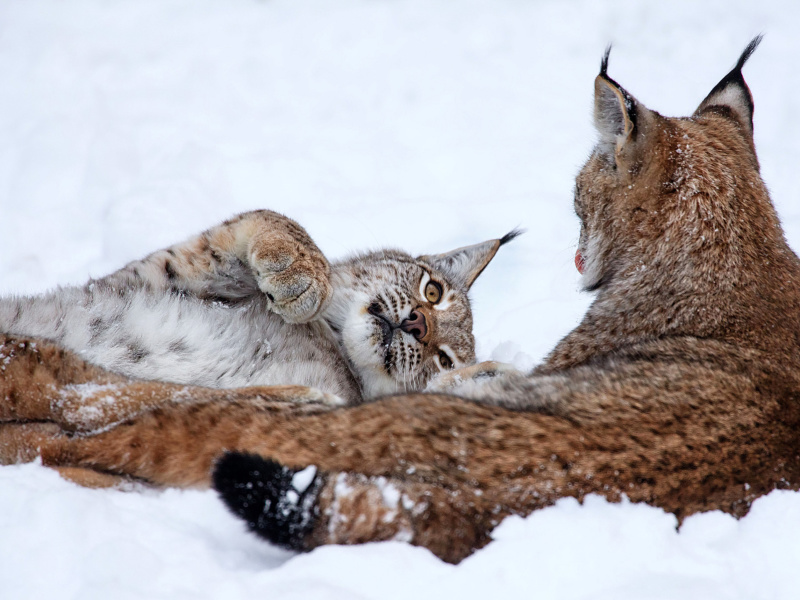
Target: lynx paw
x=450 y=381
x=294 y=279
x=317 y=396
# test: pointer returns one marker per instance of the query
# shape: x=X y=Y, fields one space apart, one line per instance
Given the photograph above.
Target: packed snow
x=421 y=124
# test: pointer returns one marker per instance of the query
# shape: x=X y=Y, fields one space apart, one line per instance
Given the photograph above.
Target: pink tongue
x=579 y=261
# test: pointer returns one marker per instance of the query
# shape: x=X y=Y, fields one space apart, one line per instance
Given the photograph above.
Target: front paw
x=295 y=279
x=451 y=381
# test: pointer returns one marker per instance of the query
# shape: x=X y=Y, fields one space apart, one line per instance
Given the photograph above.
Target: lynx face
x=407 y=324
x=402 y=320
x=643 y=196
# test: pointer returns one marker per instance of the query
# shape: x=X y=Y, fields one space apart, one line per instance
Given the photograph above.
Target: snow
x=302 y=479
x=421 y=124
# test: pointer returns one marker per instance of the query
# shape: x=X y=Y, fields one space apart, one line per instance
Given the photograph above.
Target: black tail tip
x=277 y=503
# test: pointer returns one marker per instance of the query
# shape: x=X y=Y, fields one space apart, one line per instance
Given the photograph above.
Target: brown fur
x=680 y=388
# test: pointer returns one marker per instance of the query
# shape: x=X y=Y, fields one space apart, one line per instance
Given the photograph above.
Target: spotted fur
x=680 y=387
x=254 y=302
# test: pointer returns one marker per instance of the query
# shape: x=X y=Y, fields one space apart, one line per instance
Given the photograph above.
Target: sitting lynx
x=680 y=387
x=254 y=302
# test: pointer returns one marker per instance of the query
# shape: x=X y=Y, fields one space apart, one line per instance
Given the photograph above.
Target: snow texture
x=421 y=124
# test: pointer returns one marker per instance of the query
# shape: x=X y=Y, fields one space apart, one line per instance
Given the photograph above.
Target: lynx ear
x=616 y=112
x=462 y=266
x=731 y=96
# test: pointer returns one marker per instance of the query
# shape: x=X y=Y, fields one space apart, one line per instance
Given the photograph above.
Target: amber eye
x=433 y=292
x=444 y=360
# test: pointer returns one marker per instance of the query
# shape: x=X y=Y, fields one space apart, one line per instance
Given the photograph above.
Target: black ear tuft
x=731 y=94
x=615 y=110
x=629 y=101
x=275 y=502
x=604 y=62
x=462 y=266
x=513 y=234
x=748 y=52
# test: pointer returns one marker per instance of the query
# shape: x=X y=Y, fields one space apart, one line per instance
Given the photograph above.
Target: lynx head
x=401 y=320
x=677 y=199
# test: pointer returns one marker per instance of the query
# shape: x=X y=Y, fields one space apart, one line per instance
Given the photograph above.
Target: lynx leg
x=169 y=445
x=232 y=261
x=288 y=267
x=89 y=408
x=294 y=278
x=40 y=381
x=24 y=442
x=33 y=371
x=93 y=479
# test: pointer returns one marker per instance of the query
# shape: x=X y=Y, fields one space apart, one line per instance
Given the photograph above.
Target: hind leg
x=25 y=442
x=89 y=478
x=33 y=375
x=91 y=408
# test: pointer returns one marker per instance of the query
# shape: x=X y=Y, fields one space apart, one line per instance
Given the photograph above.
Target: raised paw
x=294 y=276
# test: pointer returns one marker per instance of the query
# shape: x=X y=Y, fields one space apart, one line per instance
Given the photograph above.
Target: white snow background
x=421 y=124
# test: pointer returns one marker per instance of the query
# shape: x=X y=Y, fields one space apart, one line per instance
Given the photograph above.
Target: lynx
x=680 y=387
x=254 y=302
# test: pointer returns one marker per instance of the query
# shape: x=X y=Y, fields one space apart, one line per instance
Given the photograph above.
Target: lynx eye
x=433 y=292
x=445 y=360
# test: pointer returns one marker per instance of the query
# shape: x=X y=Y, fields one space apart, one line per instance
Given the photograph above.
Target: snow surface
x=422 y=124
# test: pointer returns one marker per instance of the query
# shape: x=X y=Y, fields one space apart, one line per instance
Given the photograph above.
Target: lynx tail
x=278 y=504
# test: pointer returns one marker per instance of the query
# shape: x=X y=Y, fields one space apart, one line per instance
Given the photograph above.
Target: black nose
x=415 y=324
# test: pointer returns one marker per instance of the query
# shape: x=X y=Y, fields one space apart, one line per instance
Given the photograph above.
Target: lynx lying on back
x=254 y=302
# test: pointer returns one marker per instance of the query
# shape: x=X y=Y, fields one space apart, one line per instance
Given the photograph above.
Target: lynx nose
x=579 y=261
x=415 y=324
